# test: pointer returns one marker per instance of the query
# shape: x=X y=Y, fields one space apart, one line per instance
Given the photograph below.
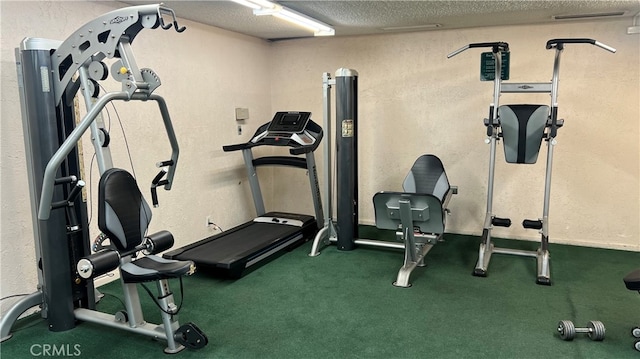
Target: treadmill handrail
x=242 y=146
x=312 y=129
x=236 y=147
x=288 y=161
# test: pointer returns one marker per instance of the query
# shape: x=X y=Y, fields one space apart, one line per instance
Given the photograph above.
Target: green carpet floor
x=342 y=305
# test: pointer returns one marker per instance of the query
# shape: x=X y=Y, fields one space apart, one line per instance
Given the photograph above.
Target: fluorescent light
x=256 y=4
x=588 y=16
x=319 y=28
x=247 y=4
x=635 y=27
x=412 y=28
x=264 y=7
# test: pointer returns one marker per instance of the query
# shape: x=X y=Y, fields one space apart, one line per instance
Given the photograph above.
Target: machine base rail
x=405 y=272
x=16 y=310
x=542 y=256
x=154 y=331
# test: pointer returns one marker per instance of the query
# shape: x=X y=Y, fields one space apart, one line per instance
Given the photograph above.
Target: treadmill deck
x=233 y=251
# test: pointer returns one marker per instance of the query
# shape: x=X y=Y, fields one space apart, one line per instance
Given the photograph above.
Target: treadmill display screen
x=289 y=122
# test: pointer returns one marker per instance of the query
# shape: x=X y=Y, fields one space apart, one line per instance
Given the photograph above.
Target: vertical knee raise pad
x=522 y=131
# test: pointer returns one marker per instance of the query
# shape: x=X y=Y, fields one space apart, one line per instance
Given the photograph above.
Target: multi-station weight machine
x=50 y=73
x=418 y=214
x=522 y=129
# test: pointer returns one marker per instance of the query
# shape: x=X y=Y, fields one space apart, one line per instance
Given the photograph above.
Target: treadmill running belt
x=233 y=251
x=239 y=244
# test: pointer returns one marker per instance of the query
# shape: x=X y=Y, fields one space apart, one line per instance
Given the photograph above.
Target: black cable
x=124 y=135
x=158 y=303
x=126 y=142
x=118 y=298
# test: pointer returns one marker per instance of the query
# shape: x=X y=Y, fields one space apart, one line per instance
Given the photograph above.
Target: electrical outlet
x=239 y=130
x=208 y=222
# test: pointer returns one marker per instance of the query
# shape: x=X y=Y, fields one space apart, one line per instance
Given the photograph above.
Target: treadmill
x=234 y=252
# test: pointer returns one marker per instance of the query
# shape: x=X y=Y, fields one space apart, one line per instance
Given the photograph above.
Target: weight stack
x=347 y=158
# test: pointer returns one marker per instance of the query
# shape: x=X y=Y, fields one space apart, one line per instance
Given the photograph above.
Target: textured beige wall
x=413 y=100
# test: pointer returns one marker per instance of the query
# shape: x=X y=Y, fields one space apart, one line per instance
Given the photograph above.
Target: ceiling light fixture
x=589 y=16
x=635 y=27
x=412 y=28
x=264 y=7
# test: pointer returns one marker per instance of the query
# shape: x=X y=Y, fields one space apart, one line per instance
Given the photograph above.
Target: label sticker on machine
x=488 y=66
x=347 y=128
x=278 y=220
x=44 y=76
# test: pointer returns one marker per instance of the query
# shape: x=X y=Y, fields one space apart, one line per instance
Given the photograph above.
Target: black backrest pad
x=427 y=176
x=522 y=131
x=123 y=214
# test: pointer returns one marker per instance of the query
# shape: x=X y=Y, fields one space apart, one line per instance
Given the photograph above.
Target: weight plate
x=121 y=316
x=566 y=329
x=596 y=330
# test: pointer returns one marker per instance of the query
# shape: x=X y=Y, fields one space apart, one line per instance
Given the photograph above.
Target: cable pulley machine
x=50 y=73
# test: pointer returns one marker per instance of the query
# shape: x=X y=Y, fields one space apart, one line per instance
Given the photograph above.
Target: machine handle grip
x=532 y=224
x=559 y=43
x=154 y=192
x=300 y=150
x=154 y=196
x=158 y=177
x=164 y=163
x=67 y=179
x=238 y=147
x=501 y=222
x=496 y=46
x=75 y=191
x=155 y=182
x=174 y=23
x=554 y=122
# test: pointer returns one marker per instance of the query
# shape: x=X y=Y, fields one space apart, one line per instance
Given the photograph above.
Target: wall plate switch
x=242 y=113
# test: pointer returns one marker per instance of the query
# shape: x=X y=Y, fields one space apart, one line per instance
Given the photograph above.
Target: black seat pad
x=632 y=280
x=151 y=268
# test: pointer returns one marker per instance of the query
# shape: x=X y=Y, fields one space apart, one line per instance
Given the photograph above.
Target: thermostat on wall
x=242 y=113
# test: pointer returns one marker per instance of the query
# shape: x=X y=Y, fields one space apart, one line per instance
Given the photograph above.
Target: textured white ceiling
x=359 y=17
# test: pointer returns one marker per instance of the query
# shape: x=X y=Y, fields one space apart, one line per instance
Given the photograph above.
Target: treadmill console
x=287 y=126
x=289 y=122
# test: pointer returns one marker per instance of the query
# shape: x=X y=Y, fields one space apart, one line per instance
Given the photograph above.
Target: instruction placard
x=488 y=66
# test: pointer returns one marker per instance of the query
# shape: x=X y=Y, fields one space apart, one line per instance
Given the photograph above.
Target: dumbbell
x=595 y=330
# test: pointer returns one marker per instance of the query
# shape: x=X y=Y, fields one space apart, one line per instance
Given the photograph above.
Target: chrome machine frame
x=487 y=248
x=50 y=73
